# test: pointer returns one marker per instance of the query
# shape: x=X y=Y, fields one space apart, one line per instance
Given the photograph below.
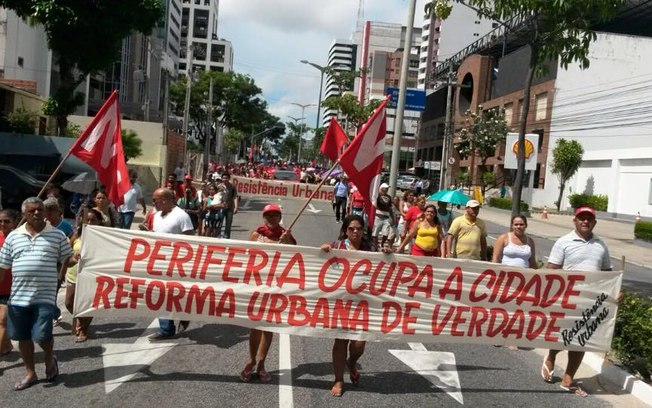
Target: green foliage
x=232 y=140
x=131 y=144
x=631 y=341
x=598 y=202
x=348 y=105
x=85 y=37
x=72 y=130
x=441 y=8
x=643 y=230
x=21 y=121
x=237 y=104
x=481 y=133
x=506 y=203
x=566 y=160
x=488 y=177
x=463 y=176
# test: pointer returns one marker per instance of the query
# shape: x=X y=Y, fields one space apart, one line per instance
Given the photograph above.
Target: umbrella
x=450 y=196
x=83 y=183
x=335 y=172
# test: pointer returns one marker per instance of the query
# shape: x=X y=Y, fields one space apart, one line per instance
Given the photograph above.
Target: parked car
x=17 y=185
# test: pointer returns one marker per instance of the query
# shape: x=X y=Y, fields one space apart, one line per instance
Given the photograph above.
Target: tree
x=21 y=121
x=85 y=37
x=554 y=30
x=566 y=160
x=482 y=132
x=313 y=152
x=131 y=144
x=232 y=140
x=237 y=104
x=356 y=114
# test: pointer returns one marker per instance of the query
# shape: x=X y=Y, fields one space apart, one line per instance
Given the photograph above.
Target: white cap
x=472 y=203
x=384 y=185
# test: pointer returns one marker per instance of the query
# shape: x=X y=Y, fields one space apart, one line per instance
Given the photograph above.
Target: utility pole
x=445 y=173
x=400 y=105
x=321 y=85
x=209 y=134
x=147 y=79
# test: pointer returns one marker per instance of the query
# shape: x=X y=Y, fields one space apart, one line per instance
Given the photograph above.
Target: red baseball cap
x=585 y=209
x=272 y=208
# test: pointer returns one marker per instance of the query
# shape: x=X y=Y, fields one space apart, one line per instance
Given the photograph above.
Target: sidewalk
x=618 y=235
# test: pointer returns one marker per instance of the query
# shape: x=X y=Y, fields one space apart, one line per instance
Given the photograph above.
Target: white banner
x=280 y=189
x=342 y=294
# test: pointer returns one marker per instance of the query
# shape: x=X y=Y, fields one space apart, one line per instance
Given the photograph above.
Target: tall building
x=441 y=39
x=199 y=29
x=341 y=56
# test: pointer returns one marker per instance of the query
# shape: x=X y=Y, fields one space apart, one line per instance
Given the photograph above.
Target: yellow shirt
x=468 y=235
x=427 y=238
x=71 y=273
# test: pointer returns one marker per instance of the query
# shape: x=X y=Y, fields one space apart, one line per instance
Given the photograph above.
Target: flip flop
x=354 y=374
x=245 y=375
x=547 y=373
x=264 y=376
x=23 y=385
x=338 y=392
x=574 y=389
x=53 y=375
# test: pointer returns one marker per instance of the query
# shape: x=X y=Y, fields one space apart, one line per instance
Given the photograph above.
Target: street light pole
x=186 y=107
x=400 y=105
x=303 y=116
x=321 y=86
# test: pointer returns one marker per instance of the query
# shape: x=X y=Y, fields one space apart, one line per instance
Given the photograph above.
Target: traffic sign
x=415 y=99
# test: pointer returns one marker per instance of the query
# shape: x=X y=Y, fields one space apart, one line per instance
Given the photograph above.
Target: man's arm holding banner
x=340 y=294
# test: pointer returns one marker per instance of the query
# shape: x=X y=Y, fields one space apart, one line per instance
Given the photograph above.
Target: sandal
x=81 y=338
x=245 y=375
x=547 y=373
x=24 y=384
x=354 y=374
x=574 y=388
x=53 y=372
x=264 y=376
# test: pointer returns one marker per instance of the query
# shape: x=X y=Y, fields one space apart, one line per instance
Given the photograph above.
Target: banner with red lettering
x=342 y=294
x=280 y=189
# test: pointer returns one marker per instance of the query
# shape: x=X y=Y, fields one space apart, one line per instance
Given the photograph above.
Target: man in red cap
x=579 y=250
x=260 y=341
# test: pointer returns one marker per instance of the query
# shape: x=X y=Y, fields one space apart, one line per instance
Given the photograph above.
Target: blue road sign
x=415 y=99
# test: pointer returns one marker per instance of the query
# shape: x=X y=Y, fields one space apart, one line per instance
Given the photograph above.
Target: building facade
x=342 y=56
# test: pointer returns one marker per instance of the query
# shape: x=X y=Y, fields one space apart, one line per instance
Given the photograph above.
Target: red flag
x=363 y=159
x=100 y=146
x=333 y=141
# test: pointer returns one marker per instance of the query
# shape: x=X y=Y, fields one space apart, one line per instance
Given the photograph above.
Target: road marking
x=122 y=361
x=438 y=367
x=312 y=209
x=285 y=398
x=246 y=206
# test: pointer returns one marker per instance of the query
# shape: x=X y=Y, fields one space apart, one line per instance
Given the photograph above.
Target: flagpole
x=314 y=193
x=54 y=174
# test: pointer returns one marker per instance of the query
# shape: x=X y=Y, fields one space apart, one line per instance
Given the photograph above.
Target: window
x=649 y=199
x=21 y=61
x=509 y=113
x=541 y=106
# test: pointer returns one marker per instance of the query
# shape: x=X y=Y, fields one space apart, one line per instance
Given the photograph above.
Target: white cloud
x=270 y=37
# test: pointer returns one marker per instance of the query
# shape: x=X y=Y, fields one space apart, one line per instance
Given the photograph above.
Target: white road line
x=417 y=347
x=285 y=398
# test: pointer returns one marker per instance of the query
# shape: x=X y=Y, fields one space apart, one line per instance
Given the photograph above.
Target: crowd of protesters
x=30 y=280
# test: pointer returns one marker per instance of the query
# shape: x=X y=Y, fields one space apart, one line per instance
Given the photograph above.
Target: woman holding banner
x=514 y=248
x=352 y=238
x=260 y=341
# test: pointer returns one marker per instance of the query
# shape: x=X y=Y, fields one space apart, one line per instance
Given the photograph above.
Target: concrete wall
x=607 y=109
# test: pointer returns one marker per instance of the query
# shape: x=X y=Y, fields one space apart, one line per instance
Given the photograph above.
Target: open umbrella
x=450 y=196
x=83 y=183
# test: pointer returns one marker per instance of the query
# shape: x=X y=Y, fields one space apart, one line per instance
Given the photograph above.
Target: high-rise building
x=199 y=30
x=342 y=57
x=441 y=39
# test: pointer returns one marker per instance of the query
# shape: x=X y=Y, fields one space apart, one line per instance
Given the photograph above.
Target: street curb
x=619 y=377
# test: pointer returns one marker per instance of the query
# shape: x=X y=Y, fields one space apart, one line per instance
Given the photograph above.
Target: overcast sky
x=270 y=37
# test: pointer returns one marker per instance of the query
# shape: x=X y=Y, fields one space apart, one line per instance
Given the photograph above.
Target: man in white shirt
x=172 y=220
x=132 y=198
x=579 y=250
x=180 y=173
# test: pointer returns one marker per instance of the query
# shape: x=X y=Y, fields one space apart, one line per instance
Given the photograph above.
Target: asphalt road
x=117 y=366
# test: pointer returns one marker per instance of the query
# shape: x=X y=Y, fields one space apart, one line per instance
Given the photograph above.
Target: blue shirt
x=33 y=262
x=341 y=189
x=65 y=227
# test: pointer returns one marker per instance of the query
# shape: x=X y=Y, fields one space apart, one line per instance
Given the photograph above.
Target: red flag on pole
x=363 y=159
x=100 y=146
x=333 y=141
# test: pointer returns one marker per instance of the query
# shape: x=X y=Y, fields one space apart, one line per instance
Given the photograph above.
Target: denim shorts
x=4 y=299
x=32 y=322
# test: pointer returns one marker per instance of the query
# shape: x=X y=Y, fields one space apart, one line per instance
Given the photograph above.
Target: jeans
x=126 y=218
x=166 y=327
x=340 y=208
x=228 y=220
